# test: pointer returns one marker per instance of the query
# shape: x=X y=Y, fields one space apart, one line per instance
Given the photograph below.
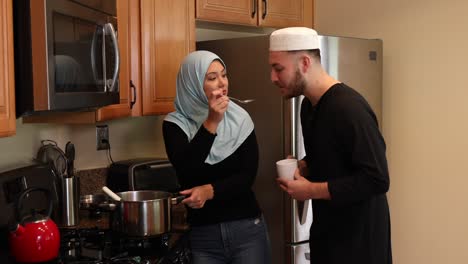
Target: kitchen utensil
x=68 y=186
x=35 y=237
x=245 y=101
x=50 y=153
x=69 y=204
x=111 y=194
x=70 y=155
x=70 y=191
x=143 y=213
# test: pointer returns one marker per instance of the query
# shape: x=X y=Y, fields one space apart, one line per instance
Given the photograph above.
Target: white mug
x=286 y=168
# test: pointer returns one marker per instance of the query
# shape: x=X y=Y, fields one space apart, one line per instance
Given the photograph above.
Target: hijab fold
x=191 y=106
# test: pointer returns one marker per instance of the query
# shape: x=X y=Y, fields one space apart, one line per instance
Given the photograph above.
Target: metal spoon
x=246 y=101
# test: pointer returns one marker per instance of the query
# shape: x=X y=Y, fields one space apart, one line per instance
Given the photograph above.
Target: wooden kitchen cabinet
x=7 y=77
x=265 y=13
x=167 y=36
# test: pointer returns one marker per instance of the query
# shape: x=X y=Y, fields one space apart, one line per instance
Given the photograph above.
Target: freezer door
x=298 y=253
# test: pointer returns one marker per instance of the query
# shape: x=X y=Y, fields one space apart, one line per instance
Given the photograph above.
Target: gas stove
x=93 y=240
x=94 y=245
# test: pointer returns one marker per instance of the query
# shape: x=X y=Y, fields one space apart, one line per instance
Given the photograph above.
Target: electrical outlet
x=102 y=137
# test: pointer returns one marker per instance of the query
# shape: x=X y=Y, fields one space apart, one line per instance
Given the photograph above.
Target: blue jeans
x=242 y=241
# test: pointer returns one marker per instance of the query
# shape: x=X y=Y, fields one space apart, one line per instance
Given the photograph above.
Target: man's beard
x=297 y=85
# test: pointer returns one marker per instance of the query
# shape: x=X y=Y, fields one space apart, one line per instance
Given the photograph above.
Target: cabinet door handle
x=265 y=7
x=254 y=8
x=132 y=103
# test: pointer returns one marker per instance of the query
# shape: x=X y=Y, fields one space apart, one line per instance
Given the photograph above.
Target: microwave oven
x=66 y=55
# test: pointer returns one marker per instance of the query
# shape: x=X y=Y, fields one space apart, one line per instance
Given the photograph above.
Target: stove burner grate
x=93 y=245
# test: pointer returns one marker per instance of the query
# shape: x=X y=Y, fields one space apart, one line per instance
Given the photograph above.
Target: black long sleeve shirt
x=345 y=148
x=232 y=178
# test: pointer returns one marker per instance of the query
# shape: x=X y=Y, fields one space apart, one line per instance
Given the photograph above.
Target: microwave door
x=113 y=53
x=62 y=65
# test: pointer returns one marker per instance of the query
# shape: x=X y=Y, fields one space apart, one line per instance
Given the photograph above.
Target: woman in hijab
x=212 y=145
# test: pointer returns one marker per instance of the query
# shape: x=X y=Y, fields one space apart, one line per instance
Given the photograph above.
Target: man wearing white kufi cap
x=345 y=169
x=295 y=38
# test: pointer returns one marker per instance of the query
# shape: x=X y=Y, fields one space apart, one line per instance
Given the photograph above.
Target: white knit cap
x=294 y=38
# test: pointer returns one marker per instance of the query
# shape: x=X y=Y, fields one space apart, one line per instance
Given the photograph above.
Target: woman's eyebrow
x=215 y=72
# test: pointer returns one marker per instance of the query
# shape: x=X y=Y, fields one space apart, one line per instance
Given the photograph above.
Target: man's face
x=285 y=74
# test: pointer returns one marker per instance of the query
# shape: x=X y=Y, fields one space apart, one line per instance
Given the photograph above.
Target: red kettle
x=35 y=237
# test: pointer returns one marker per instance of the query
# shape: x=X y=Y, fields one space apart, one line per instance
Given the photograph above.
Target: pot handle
x=23 y=195
x=178 y=199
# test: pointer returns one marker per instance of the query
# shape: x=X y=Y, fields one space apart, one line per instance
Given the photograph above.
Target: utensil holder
x=69 y=203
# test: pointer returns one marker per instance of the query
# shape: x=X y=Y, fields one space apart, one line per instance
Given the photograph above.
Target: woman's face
x=215 y=79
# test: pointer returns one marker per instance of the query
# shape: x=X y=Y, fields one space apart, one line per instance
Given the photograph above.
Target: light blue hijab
x=191 y=106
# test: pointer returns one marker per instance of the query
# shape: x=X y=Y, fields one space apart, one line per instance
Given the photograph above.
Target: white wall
x=425 y=117
x=129 y=138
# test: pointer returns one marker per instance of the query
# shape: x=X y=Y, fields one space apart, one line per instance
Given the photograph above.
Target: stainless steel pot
x=143 y=213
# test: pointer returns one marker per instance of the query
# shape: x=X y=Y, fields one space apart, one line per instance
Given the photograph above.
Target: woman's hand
x=218 y=104
x=197 y=196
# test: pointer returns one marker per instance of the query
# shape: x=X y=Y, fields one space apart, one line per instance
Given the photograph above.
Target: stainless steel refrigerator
x=356 y=62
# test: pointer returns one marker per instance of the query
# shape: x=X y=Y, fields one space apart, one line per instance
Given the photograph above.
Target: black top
x=231 y=178
x=345 y=148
